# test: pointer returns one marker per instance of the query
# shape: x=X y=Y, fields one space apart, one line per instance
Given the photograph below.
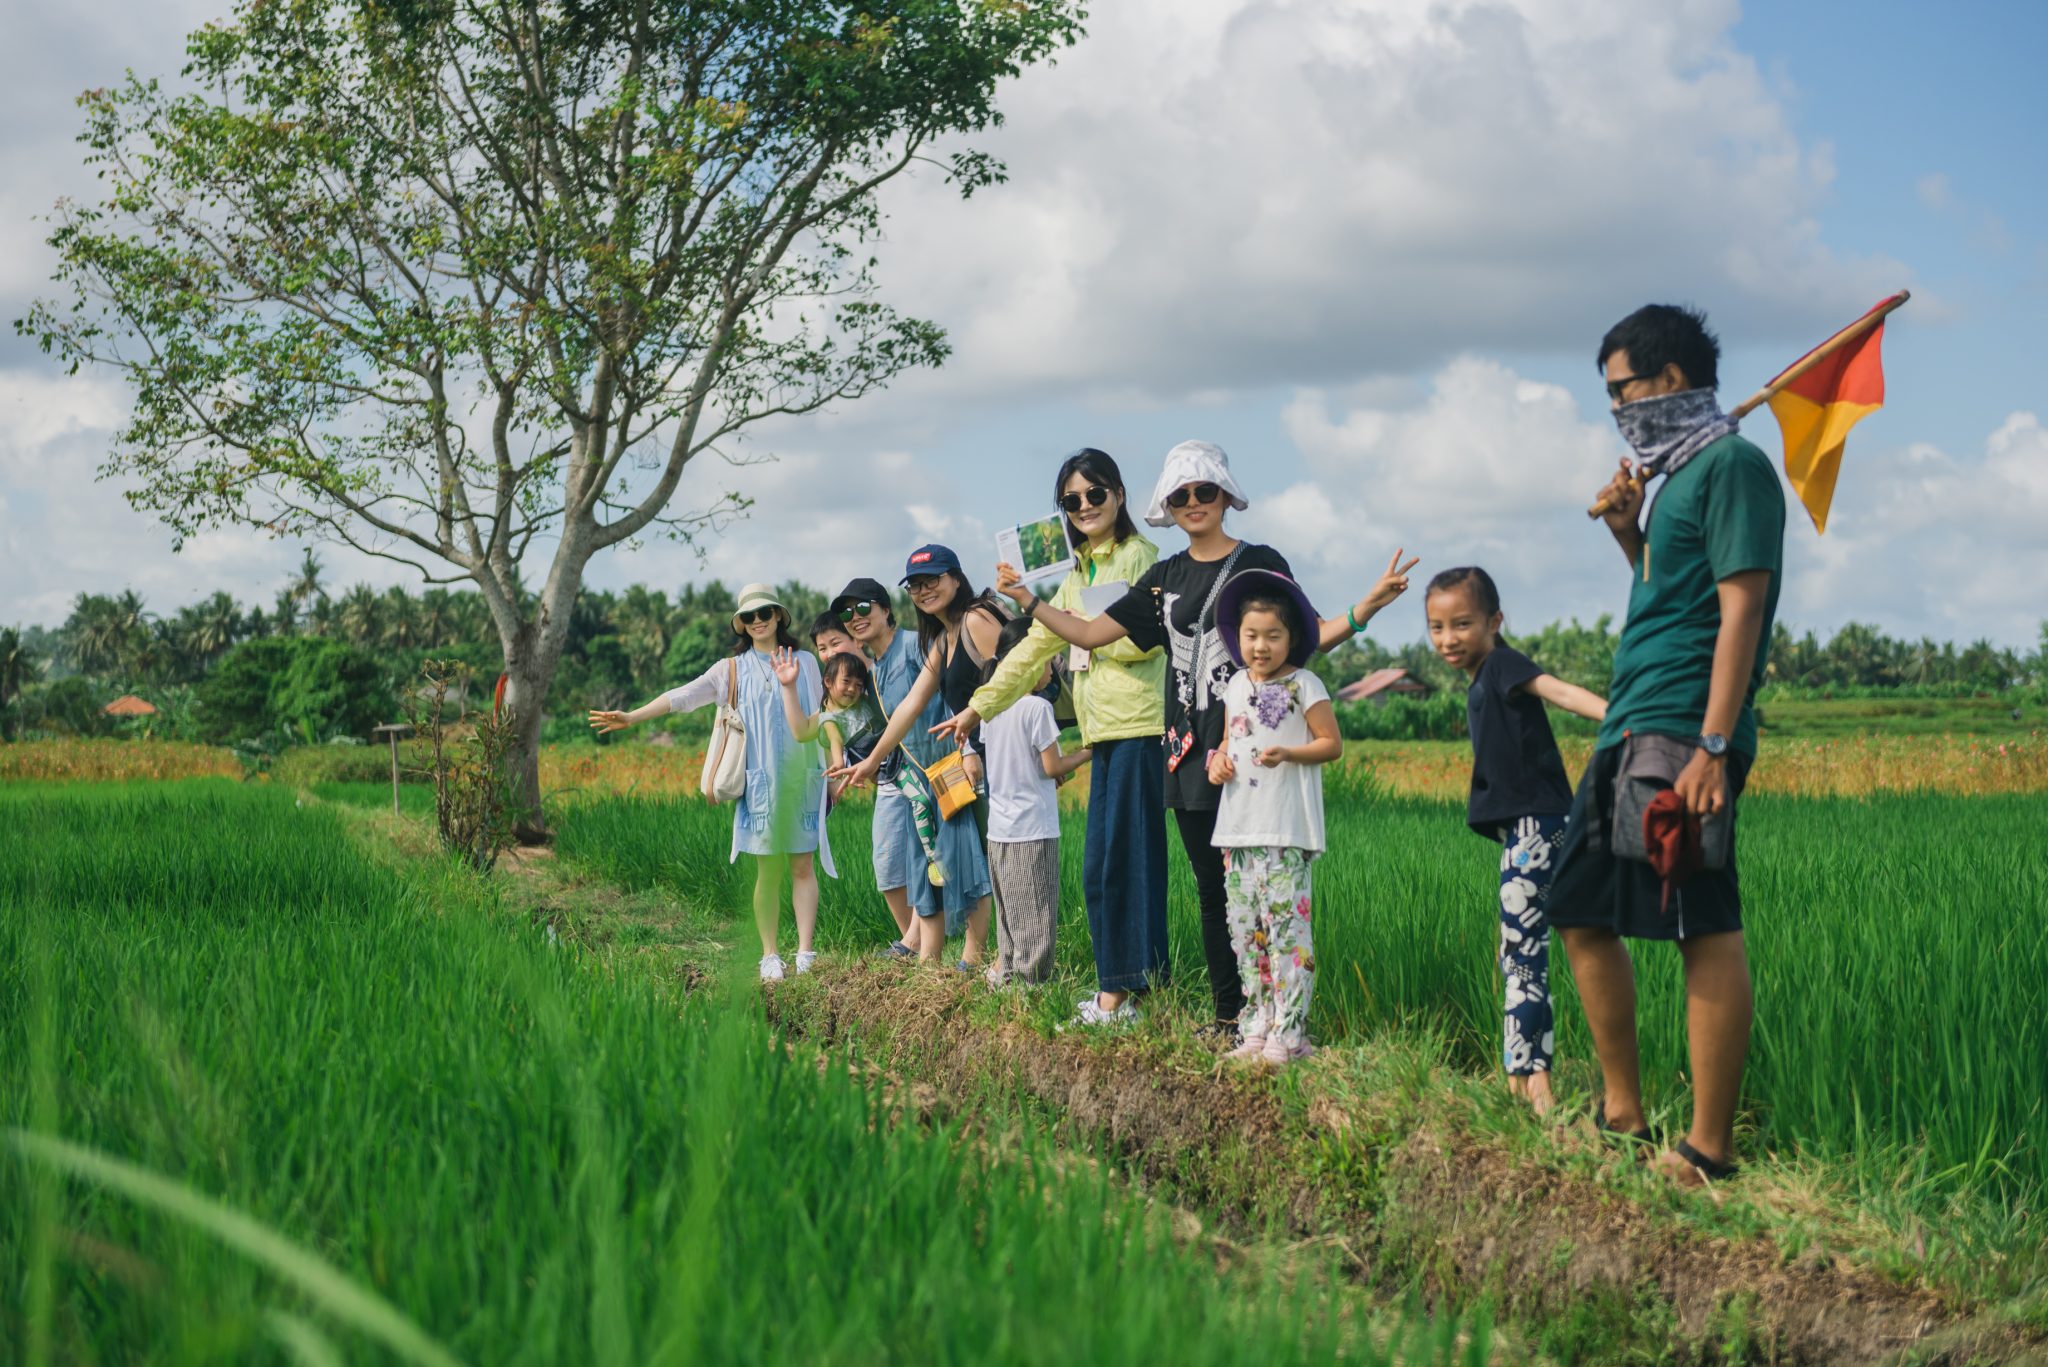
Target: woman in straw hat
x=780 y=820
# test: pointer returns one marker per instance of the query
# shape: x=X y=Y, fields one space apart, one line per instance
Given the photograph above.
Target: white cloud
x=1229 y=193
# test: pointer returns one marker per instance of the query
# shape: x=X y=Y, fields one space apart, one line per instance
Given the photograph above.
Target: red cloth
x=1671 y=835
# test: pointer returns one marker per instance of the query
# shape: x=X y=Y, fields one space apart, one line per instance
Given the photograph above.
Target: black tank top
x=961 y=675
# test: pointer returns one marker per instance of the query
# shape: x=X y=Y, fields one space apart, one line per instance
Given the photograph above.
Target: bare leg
x=1110 y=1001
x=977 y=932
x=768 y=871
x=1607 y=989
x=931 y=931
x=899 y=907
x=1719 y=1007
x=803 y=886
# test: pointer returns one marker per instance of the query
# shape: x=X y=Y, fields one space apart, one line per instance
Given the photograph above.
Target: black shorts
x=1594 y=889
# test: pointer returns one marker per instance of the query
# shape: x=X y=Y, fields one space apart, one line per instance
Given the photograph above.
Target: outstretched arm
x=1572 y=698
x=702 y=691
x=1090 y=633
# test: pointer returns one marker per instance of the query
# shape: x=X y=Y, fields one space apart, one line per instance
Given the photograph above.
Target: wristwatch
x=1714 y=744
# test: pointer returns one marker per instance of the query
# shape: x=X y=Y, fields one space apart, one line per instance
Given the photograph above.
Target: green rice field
x=266 y=1099
x=1899 y=946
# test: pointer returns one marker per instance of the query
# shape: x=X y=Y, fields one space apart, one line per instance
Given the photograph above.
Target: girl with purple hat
x=1279 y=730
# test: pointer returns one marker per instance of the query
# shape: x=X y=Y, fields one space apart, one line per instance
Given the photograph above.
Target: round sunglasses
x=1097 y=496
x=757 y=615
x=1205 y=492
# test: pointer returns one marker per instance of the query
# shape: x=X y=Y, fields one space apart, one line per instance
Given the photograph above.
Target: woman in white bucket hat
x=780 y=820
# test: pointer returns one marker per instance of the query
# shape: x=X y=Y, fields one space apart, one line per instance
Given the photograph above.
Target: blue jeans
x=1123 y=867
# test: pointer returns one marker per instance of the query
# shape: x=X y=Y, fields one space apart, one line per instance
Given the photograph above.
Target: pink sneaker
x=1253 y=1047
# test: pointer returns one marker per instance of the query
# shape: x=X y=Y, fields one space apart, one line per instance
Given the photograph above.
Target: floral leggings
x=1528 y=858
x=1268 y=893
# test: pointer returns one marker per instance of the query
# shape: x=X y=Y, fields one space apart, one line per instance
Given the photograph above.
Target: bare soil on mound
x=1414 y=1197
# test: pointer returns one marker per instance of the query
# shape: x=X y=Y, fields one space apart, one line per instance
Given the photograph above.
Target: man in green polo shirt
x=1704 y=572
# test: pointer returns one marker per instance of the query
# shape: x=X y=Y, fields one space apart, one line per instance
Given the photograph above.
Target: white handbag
x=725 y=760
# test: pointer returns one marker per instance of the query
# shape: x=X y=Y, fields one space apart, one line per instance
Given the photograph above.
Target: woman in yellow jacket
x=1119 y=697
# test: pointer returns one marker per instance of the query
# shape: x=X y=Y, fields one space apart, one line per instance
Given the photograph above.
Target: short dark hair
x=1099 y=467
x=1281 y=606
x=1014 y=630
x=825 y=621
x=1657 y=335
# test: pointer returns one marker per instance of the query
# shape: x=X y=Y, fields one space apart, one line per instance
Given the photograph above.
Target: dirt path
x=1411 y=1192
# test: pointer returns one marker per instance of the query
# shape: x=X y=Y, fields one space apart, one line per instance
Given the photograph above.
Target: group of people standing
x=1187 y=679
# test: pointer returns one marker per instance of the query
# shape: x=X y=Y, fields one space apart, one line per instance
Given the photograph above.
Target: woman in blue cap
x=956 y=637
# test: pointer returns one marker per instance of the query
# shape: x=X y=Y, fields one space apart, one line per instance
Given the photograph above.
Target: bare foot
x=1536 y=1090
x=1679 y=1171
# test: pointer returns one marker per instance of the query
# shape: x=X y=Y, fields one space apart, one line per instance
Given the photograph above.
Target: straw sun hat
x=755 y=596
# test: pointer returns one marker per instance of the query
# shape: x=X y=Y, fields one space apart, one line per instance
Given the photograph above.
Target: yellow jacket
x=1122 y=693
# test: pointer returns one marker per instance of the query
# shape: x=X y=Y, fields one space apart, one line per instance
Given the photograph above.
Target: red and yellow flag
x=1818 y=406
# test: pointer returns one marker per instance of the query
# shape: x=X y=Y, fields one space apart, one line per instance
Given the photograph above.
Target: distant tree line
x=315 y=665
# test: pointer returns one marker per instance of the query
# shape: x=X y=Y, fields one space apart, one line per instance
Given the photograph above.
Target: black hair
x=742 y=642
x=1474 y=581
x=1657 y=335
x=1097 y=467
x=1281 y=606
x=1014 y=630
x=844 y=662
x=825 y=621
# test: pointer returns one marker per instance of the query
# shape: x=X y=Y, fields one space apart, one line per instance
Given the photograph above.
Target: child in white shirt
x=1279 y=729
x=1025 y=768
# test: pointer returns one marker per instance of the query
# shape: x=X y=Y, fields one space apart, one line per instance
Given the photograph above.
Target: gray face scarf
x=1671 y=429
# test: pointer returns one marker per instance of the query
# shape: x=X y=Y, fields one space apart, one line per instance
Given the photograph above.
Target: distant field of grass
x=1899 y=946
x=414 y=799
x=526 y=1161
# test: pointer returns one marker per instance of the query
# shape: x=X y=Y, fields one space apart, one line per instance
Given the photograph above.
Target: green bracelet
x=1351 y=616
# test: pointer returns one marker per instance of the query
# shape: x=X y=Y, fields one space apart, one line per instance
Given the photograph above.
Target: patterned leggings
x=1268 y=891
x=1528 y=858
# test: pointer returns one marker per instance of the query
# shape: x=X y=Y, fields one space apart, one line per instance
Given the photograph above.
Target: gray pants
x=1027 y=885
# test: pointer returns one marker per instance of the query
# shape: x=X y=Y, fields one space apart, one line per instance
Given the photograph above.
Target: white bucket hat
x=756 y=596
x=1193 y=462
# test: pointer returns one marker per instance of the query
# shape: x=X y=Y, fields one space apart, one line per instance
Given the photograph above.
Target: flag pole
x=1796 y=369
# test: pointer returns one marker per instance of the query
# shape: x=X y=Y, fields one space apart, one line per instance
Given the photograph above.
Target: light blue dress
x=899 y=859
x=776 y=759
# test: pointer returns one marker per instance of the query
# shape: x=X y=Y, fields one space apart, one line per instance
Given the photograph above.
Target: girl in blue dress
x=780 y=820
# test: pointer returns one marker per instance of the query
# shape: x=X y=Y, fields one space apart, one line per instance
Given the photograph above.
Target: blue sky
x=1374 y=273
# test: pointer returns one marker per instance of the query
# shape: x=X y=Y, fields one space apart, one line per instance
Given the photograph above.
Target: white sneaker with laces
x=771 y=968
x=1088 y=1011
x=804 y=959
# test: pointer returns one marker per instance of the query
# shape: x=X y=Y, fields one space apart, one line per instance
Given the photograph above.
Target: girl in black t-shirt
x=1519 y=797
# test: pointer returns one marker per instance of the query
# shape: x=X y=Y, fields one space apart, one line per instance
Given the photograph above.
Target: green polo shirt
x=1722 y=514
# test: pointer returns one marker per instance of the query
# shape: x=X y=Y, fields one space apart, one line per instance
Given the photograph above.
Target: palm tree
x=362 y=617
x=304 y=589
x=18 y=667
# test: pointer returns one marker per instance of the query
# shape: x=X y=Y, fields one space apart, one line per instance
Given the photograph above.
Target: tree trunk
x=529 y=669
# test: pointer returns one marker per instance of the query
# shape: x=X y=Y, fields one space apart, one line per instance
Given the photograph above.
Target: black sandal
x=1706 y=1167
x=1643 y=1136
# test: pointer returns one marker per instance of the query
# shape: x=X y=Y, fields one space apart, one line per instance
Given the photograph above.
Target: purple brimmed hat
x=1244 y=583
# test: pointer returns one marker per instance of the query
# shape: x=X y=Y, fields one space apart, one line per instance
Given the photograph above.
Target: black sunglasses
x=856 y=609
x=1097 y=496
x=1205 y=492
x=1615 y=387
x=757 y=615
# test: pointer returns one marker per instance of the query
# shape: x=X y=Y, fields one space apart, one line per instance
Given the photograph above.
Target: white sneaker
x=804 y=959
x=995 y=976
x=771 y=968
x=1088 y=1011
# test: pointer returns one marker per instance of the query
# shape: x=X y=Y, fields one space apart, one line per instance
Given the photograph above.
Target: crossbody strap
x=1203 y=618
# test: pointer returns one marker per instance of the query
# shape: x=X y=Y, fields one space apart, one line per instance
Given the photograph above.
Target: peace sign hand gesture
x=1390 y=585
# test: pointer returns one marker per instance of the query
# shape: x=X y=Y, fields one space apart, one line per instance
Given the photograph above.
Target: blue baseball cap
x=931 y=560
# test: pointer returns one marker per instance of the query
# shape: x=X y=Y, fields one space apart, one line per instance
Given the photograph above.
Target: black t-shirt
x=1159 y=612
x=1516 y=770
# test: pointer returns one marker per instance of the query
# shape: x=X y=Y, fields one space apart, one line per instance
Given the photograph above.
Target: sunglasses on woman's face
x=757 y=615
x=859 y=609
x=1204 y=492
x=1097 y=496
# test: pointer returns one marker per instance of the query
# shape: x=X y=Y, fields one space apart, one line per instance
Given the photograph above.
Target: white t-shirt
x=1021 y=800
x=1279 y=807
